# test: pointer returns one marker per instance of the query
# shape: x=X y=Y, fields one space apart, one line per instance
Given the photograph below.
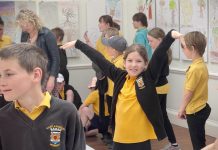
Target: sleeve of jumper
x=156 y=63
x=53 y=54
x=96 y=57
x=75 y=138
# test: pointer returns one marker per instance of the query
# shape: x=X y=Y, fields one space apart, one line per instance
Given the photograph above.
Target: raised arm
x=156 y=62
x=108 y=68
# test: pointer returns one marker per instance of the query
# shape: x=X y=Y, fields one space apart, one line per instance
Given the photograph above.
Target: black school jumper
x=57 y=128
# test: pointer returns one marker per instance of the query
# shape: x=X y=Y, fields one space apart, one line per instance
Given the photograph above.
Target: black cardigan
x=144 y=85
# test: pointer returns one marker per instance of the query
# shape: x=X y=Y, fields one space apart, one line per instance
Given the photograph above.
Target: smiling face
x=15 y=82
x=134 y=64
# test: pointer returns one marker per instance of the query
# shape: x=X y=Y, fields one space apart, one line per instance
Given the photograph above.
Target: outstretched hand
x=176 y=34
x=69 y=45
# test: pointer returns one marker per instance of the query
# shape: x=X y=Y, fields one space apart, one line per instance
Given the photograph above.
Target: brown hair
x=29 y=57
x=107 y=19
x=159 y=33
x=140 y=17
x=197 y=40
x=58 y=32
x=136 y=48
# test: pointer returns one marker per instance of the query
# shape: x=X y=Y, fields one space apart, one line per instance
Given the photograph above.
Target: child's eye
x=8 y=74
x=129 y=60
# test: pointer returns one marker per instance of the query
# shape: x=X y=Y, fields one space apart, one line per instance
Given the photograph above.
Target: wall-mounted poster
x=167 y=18
x=194 y=17
x=213 y=31
x=147 y=7
x=114 y=9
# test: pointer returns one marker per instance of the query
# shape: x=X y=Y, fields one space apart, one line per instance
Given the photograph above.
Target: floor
x=182 y=135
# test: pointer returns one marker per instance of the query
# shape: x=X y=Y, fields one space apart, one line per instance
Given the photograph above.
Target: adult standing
x=34 y=33
x=140 y=23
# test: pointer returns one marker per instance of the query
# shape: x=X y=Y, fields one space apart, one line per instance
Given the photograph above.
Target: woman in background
x=33 y=32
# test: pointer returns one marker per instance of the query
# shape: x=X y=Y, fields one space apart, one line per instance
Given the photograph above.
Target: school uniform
x=197 y=110
x=77 y=101
x=144 y=84
x=98 y=122
x=5 y=41
x=162 y=88
x=46 y=127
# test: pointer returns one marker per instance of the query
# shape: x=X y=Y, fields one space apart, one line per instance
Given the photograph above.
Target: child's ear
x=37 y=74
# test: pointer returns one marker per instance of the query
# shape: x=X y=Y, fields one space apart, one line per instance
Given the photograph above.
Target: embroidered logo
x=55 y=136
x=140 y=83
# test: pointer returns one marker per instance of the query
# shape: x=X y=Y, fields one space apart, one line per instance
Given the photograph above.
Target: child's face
x=15 y=82
x=153 y=42
x=112 y=52
x=186 y=50
x=136 y=24
x=60 y=86
x=102 y=26
x=134 y=64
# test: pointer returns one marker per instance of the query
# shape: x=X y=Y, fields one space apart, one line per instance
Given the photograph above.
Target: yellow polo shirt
x=6 y=40
x=102 y=49
x=164 y=89
x=38 y=109
x=196 y=81
x=131 y=123
x=118 y=62
x=93 y=98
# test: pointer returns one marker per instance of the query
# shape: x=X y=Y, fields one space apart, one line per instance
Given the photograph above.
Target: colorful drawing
x=213 y=31
x=147 y=7
x=114 y=9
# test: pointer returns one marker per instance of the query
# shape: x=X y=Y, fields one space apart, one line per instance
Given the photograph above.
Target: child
x=59 y=34
x=115 y=46
x=136 y=113
x=155 y=37
x=35 y=119
x=96 y=121
x=140 y=23
x=194 y=105
x=67 y=92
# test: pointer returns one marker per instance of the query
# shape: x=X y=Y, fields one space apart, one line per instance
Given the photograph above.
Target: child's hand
x=181 y=115
x=69 y=44
x=86 y=37
x=176 y=34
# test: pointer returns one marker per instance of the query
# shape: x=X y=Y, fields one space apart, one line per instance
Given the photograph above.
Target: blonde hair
x=110 y=32
x=29 y=16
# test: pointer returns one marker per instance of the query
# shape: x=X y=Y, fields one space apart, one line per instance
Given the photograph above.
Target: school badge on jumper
x=140 y=83
x=55 y=136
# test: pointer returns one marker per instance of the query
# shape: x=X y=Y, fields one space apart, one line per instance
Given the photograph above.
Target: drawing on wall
x=193 y=17
x=68 y=16
x=166 y=8
x=213 y=31
x=147 y=7
x=114 y=9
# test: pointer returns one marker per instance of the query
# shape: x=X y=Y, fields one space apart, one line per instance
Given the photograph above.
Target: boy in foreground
x=35 y=120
